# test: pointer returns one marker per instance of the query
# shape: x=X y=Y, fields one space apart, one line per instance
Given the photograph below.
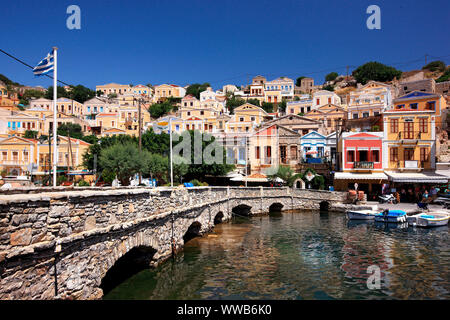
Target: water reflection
x=300 y=255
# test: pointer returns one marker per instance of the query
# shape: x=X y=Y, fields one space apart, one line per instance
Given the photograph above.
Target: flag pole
x=55 y=97
x=171 y=160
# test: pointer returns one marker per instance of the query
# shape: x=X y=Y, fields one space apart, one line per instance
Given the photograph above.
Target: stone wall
x=81 y=234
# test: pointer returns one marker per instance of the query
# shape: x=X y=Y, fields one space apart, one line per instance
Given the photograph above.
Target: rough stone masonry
x=60 y=245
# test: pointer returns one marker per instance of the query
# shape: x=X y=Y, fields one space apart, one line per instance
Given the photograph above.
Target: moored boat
x=432 y=220
x=361 y=214
x=394 y=216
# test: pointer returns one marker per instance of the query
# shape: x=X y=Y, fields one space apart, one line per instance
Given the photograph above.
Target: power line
x=26 y=64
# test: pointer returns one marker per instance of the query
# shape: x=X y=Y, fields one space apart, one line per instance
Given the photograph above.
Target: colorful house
x=313 y=145
x=409 y=145
x=369 y=100
x=361 y=162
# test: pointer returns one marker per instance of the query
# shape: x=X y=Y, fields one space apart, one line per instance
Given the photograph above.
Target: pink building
x=361 y=163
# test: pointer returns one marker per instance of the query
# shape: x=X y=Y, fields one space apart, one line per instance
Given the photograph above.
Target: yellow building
x=63 y=105
x=17 y=123
x=246 y=118
x=369 y=100
x=112 y=88
x=17 y=155
x=107 y=121
x=330 y=115
x=323 y=97
x=301 y=106
x=70 y=154
x=410 y=126
x=272 y=96
x=7 y=100
x=142 y=90
x=164 y=91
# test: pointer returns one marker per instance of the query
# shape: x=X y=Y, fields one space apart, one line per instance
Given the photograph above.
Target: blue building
x=313 y=145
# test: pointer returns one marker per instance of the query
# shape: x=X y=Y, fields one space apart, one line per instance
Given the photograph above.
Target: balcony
x=14 y=162
x=363 y=165
x=409 y=135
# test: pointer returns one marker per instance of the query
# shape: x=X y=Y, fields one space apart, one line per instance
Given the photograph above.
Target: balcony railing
x=14 y=162
x=412 y=135
x=363 y=165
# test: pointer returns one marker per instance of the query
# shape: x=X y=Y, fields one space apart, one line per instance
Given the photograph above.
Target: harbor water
x=301 y=255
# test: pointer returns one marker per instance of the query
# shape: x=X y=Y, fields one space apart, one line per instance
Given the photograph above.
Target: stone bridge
x=71 y=244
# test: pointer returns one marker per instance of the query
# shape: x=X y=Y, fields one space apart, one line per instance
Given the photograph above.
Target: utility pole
x=70 y=150
x=140 y=137
x=49 y=154
x=346 y=77
x=336 y=158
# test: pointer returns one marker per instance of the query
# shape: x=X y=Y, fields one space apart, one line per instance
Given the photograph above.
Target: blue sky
x=219 y=42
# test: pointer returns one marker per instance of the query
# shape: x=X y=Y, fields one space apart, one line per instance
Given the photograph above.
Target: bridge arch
x=134 y=260
x=194 y=230
x=324 y=205
x=242 y=210
x=218 y=218
x=276 y=207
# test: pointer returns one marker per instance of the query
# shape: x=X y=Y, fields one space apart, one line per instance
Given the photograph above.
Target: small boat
x=394 y=216
x=361 y=214
x=430 y=219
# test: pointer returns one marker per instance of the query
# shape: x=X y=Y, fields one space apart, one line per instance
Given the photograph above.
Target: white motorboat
x=361 y=214
x=429 y=219
x=395 y=216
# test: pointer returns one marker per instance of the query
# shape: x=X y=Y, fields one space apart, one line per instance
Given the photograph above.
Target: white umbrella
x=238 y=177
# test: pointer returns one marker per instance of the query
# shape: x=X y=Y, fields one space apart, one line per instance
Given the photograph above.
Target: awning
x=417 y=177
x=360 y=176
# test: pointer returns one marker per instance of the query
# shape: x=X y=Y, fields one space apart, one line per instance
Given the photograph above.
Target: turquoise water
x=300 y=255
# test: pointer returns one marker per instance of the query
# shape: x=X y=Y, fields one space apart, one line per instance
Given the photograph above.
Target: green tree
x=156 y=143
x=298 y=83
x=267 y=106
x=30 y=134
x=445 y=76
x=112 y=95
x=331 y=76
x=196 y=88
x=200 y=170
x=80 y=93
x=124 y=160
x=234 y=102
x=90 y=139
x=99 y=93
x=105 y=142
x=70 y=129
x=435 y=65
x=160 y=109
x=8 y=82
x=282 y=106
x=318 y=182
x=286 y=174
x=180 y=169
x=375 y=71
x=154 y=164
x=254 y=101
x=31 y=93
x=328 y=87
x=60 y=92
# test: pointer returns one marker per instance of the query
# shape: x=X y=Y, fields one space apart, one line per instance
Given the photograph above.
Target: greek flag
x=45 y=66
